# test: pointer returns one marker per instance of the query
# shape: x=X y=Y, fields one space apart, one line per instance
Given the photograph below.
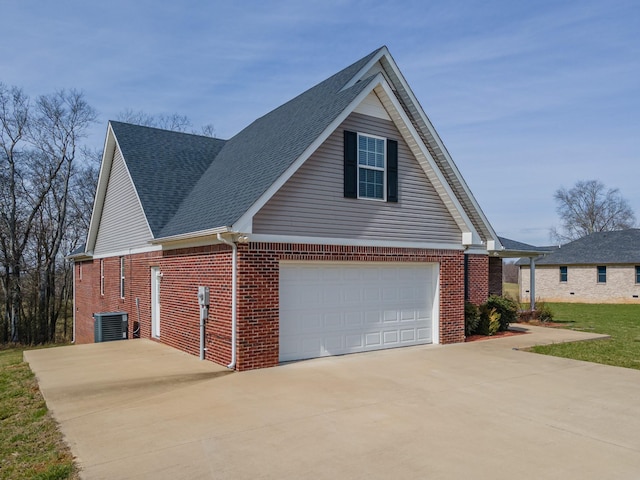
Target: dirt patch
x=508 y=333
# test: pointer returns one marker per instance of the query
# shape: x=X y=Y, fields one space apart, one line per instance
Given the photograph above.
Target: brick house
x=603 y=267
x=337 y=223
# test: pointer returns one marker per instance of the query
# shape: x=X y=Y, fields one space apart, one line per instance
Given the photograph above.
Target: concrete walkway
x=482 y=410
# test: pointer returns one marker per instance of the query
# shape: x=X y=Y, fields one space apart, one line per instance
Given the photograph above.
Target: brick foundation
x=184 y=270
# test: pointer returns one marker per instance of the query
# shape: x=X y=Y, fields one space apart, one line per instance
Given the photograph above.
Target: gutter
x=234 y=298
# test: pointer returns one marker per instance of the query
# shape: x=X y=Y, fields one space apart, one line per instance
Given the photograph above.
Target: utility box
x=110 y=326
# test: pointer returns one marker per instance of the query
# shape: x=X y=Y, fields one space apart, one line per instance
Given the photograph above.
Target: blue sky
x=527 y=96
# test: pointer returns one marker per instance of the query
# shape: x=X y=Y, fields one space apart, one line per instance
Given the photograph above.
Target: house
x=337 y=223
x=603 y=267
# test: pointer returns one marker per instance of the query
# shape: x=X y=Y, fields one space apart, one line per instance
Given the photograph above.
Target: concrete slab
x=137 y=409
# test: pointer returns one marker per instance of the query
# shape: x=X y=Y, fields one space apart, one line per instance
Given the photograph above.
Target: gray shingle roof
x=164 y=166
x=509 y=244
x=255 y=158
x=619 y=247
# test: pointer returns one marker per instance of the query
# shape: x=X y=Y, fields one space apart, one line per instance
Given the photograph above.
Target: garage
x=338 y=308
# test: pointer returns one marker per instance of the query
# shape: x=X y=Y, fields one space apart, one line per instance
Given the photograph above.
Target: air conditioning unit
x=110 y=326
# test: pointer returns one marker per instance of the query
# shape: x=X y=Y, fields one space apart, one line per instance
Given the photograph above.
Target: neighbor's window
x=371 y=167
x=563 y=274
x=638 y=275
x=101 y=277
x=121 y=277
x=602 y=274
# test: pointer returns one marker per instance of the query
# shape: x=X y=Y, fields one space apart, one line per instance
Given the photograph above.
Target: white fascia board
x=477 y=250
x=129 y=251
x=467 y=191
x=245 y=223
x=101 y=190
x=200 y=234
x=111 y=144
x=357 y=242
x=427 y=162
x=369 y=65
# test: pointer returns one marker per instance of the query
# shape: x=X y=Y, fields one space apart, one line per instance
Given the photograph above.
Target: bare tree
x=510 y=271
x=590 y=207
x=39 y=142
x=173 y=121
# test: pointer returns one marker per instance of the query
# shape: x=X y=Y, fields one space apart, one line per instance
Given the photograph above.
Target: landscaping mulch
x=508 y=333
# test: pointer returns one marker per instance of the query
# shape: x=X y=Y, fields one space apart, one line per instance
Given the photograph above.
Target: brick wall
x=582 y=284
x=477 y=278
x=258 y=296
x=258 y=311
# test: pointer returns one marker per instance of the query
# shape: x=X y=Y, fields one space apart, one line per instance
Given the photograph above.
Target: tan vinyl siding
x=123 y=224
x=311 y=203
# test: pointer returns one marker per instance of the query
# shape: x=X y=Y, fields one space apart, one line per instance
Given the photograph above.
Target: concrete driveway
x=137 y=409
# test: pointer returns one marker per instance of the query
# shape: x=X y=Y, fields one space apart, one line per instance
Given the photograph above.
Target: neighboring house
x=336 y=223
x=603 y=267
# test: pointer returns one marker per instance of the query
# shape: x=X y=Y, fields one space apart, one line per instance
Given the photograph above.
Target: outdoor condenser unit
x=110 y=326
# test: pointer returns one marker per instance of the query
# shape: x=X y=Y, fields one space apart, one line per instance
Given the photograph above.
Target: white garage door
x=336 y=308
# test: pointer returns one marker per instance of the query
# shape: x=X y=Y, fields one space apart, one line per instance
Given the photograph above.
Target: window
x=101 y=277
x=80 y=271
x=563 y=274
x=638 y=275
x=121 y=277
x=602 y=274
x=371 y=167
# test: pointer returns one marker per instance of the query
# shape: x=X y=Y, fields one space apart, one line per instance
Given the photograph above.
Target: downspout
x=234 y=298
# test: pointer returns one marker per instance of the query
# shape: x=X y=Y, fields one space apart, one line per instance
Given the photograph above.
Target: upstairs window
x=602 y=274
x=563 y=274
x=370 y=167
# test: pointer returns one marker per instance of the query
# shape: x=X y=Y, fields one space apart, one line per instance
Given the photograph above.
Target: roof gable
x=190 y=185
x=164 y=166
x=255 y=158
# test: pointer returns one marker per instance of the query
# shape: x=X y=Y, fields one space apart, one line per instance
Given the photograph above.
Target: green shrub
x=544 y=312
x=506 y=308
x=489 y=321
x=471 y=318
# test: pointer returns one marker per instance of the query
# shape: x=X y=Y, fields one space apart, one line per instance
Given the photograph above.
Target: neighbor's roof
x=619 y=247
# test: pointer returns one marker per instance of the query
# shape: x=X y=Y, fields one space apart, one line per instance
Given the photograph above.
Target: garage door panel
x=346 y=308
x=424 y=334
x=391 y=337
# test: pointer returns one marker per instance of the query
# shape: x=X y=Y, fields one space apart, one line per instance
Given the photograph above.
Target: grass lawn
x=31 y=446
x=510 y=290
x=622 y=322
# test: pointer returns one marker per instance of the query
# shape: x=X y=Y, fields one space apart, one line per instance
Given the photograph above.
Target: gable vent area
x=110 y=326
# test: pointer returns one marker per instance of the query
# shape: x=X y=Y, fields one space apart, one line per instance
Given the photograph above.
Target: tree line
x=48 y=179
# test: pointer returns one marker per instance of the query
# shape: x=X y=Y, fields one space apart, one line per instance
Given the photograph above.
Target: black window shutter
x=392 y=171
x=350 y=164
